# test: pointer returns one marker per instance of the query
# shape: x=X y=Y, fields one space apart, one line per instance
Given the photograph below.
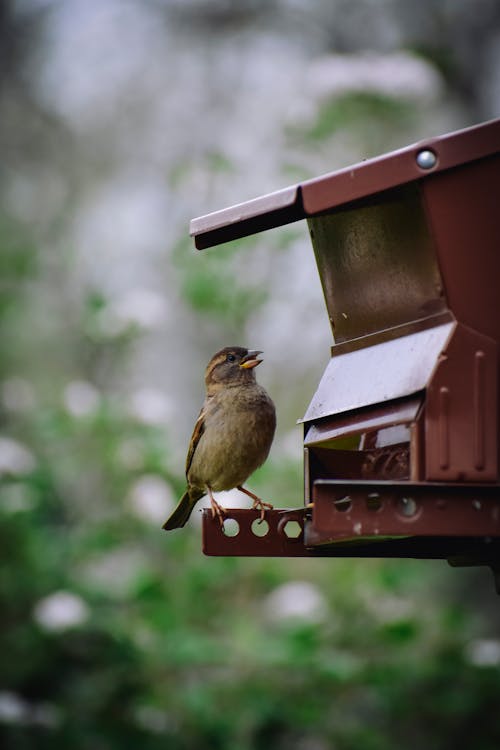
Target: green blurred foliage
x=185 y=655
x=359 y=110
x=211 y=285
x=180 y=651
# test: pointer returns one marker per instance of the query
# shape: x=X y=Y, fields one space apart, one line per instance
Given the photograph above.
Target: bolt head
x=426 y=159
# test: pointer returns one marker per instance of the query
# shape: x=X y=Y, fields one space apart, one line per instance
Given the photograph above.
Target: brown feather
x=199 y=429
x=232 y=435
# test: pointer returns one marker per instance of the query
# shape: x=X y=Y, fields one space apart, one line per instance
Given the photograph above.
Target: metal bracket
x=350 y=510
x=460 y=523
x=455 y=522
x=281 y=534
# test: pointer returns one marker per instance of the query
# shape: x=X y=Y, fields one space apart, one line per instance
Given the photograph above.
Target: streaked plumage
x=232 y=435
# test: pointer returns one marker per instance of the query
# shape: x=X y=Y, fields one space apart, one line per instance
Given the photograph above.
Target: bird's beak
x=251 y=360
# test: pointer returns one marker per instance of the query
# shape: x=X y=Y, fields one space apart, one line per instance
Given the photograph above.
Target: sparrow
x=231 y=437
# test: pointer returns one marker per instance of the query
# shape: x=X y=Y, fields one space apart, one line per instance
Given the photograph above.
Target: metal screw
x=426 y=159
x=292 y=529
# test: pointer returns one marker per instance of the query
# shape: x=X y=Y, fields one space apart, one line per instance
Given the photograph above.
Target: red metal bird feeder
x=401 y=438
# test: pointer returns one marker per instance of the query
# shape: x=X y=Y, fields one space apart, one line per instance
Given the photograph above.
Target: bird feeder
x=401 y=438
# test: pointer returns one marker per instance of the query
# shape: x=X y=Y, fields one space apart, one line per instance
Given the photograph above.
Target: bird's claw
x=218 y=512
x=259 y=504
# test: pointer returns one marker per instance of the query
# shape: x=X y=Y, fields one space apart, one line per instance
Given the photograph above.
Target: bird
x=232 y=435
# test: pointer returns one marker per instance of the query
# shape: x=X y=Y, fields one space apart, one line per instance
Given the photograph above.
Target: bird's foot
x=257 y=504
x=217 y=510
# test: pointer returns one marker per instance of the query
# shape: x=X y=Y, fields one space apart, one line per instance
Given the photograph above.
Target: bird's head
x=232 y=365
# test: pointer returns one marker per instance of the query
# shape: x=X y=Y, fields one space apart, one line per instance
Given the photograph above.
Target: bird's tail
x=182 y=512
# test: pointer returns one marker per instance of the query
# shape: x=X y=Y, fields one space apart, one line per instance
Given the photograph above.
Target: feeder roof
x=344 y=186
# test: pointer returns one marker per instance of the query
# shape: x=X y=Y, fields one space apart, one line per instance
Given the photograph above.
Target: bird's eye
x=231 y=358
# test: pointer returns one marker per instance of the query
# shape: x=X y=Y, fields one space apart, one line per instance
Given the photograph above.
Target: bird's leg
x=258 y=504
x=217 y=510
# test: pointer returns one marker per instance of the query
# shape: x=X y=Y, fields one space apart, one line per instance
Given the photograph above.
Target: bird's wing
x=198 y=431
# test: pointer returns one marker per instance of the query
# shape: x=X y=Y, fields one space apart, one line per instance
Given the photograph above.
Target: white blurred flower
x=152 y=719
x=150 y=406
x=17 y=395
x=85 y=29
x=115 y=572
x=139 y=306
x=15 y=458
x=130 y=453
x=297 y=600
x=395 y=75
x=81 y=398
x=483 y=652
x=33 y=196
x=230 y=499
x=13 y=709
x=143 y=307
x=60 y=611
x=151 y=498
x=387 y=608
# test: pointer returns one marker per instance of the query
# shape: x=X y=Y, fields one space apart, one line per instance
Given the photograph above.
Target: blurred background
x=120 y=121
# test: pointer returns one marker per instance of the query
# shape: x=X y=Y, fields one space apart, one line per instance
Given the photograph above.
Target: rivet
x=426 y=159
